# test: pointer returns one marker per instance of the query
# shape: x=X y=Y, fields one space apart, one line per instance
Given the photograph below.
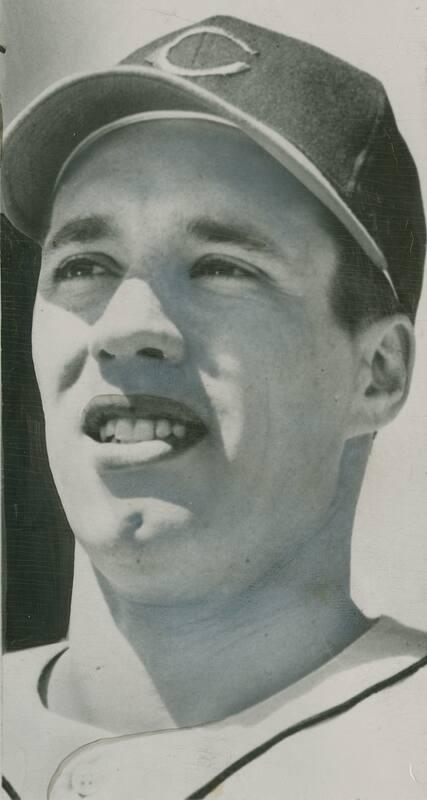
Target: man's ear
x=385 y=358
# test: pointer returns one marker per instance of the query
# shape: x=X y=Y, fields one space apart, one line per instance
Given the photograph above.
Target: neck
x=138 y=667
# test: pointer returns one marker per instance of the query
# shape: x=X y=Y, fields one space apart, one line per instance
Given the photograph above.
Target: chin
x=142 y=547
x=128 y=522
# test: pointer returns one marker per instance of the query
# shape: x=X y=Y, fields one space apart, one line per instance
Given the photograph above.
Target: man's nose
x=135 y=324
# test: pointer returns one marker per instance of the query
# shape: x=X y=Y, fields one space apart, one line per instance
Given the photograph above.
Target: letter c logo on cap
x=160 y=57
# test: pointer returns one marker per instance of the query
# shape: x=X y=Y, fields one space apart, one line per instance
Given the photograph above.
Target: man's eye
x=79 y=268
x=221 y=268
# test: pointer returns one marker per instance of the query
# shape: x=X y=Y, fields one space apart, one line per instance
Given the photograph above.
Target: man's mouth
x=133 y=419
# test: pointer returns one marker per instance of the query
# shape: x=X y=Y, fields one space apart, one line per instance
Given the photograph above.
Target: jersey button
x=85 y=780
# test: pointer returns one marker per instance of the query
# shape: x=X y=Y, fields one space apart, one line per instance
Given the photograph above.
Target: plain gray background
x=51 y=39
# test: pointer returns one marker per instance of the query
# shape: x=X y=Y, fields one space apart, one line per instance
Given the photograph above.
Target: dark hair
x=359 y=292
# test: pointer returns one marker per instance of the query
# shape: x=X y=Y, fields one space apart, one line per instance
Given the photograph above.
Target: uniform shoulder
x=372 y=736
x=24 y=673
x=402 y=638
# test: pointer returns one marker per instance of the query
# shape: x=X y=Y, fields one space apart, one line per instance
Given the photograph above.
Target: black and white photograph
x=214 y=400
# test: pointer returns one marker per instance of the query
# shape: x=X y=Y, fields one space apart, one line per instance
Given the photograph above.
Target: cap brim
x=41 y=138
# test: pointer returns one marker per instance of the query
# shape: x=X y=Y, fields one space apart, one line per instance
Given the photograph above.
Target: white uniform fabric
x=375 y=751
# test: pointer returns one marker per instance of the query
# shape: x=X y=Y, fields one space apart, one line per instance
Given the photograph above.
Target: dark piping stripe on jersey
x=9 y=789
x=42 y=686
x=310 y=722
x=43 y=681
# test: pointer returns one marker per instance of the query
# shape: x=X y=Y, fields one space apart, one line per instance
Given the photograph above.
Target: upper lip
x=106 y=407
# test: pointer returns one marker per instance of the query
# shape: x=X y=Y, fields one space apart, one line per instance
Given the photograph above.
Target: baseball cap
x=330 y=124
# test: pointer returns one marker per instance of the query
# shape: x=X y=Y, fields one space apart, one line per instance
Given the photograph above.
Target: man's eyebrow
x=244 y=235
x=83 y=230
x=95 y=227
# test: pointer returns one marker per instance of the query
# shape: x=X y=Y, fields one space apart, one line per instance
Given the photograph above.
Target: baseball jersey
x=355 y=729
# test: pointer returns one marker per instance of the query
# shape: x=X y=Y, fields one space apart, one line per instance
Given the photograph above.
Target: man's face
x=196 y=388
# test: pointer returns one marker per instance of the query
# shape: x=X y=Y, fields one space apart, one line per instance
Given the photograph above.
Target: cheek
x=58 y=338
x=280 y=379
x=321 y=402
x=225 y=389
x=254 y=372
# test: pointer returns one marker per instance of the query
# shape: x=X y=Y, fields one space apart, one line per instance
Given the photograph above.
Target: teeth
x=140 y=430
x=178 y=430
x=124 y=430
x=163 y=429
x=109 y=430
x=143 y=430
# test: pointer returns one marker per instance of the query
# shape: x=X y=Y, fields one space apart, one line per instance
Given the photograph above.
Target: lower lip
x=136 y=454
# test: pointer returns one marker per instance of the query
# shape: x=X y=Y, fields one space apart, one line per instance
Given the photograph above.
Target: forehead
x=173 y=170
x=161 y=156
